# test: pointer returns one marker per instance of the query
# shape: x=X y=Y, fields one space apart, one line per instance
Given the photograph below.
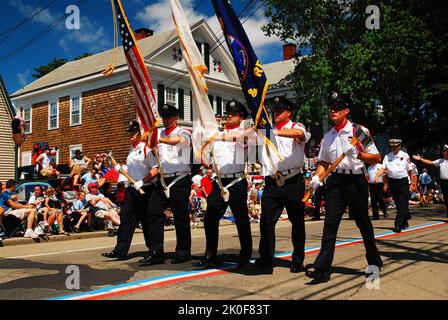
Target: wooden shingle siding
x=106 y=114
x=6 y=143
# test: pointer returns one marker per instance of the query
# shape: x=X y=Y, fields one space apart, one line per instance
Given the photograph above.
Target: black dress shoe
x=262 y=268
x=396 y=230
x=375 y=218
x=152 y=258
x=112 y=255
x=207 y=263
x=179 y=259
x=385 y=216
x=318 y=276
x=296 y=267
x=315 y=218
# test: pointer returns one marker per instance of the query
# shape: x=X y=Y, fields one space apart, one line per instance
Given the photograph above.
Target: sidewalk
x=16 y=241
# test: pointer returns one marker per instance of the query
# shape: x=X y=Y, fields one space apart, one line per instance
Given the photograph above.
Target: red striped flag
x=144 y=95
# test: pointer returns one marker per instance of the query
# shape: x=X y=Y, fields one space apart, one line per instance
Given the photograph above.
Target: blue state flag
x=250 y=71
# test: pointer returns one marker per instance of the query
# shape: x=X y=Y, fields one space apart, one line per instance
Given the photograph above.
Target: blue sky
x=96 y=32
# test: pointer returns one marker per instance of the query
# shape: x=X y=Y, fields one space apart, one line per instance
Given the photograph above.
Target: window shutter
x=160 y=95
x=207 y=56
x=219 y=105
x=211 y=101
x=180 y=102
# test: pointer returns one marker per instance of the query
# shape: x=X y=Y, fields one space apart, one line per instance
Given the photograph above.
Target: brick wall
x=106 y=114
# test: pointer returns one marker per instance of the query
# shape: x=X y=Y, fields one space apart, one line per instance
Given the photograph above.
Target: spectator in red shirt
x=206 y=183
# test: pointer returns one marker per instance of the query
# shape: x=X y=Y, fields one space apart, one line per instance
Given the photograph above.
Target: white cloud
x=23 y=78
x=45 y=16
x=157 y=17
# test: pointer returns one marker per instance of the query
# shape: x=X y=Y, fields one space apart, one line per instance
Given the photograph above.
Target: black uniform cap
x=168 y=110
x=134 y=126
x=280 y=102
x=445 y=147
x=336 y=102
x=238 y=107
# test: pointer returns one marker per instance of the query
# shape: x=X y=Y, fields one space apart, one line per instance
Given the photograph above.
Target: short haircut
x=10 y=183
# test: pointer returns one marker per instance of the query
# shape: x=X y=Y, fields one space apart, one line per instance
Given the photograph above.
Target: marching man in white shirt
x=141 y=167
x=284 y=187
x=346 y=186
x=376 y=189
x=399 y=175
x=441 y=163
x=229 y=152
x=172 y=190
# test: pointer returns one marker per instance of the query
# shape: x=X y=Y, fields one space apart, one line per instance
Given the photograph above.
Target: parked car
x=24 y=190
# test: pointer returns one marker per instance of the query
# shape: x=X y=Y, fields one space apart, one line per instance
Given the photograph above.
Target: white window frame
x=30 y=157
x=175 y=96
x=73 y=147
x=79 y=96
x=22 y=114
x=49 y=115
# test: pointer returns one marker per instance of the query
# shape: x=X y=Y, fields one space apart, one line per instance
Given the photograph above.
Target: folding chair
x=70 y=216
x=13 y=226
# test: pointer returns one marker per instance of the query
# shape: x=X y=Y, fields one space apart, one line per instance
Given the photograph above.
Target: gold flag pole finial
x=111 y=66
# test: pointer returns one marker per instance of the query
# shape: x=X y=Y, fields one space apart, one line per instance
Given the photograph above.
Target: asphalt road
x=415 y=267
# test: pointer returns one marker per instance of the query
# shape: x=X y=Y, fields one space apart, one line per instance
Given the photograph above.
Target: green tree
x=84 y=55
x=394 y=66
x=54 y=64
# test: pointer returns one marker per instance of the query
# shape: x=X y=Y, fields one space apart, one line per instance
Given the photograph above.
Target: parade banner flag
x=250 y=72
x=144 y=95
x=205 y=127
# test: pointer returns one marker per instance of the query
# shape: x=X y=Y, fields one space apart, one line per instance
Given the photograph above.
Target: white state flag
x=205 y=127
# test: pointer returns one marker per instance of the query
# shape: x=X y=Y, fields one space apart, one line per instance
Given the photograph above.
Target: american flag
x=141 y=83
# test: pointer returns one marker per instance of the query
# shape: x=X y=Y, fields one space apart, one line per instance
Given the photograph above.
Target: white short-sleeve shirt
x=291 y=150
x=140 y=161
x=373 y=170
x=230 y=155
x=334 y=144
x=443 y=165
x=398 y=165
x=177 y=158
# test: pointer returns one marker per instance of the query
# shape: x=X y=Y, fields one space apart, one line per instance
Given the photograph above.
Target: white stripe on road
x=133 y=244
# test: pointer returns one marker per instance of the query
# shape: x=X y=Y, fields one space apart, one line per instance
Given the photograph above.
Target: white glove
x=352 y=152
x=117 y=168
x=138 y=184
x=315 y=182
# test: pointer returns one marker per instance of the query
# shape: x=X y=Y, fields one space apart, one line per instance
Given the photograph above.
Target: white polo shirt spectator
x=398 y=165
x=291 y=150
x=335 y=143
x=177 y=158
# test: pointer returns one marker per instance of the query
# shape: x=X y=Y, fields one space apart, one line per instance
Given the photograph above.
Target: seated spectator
x=46 y=168
x=254 y=206
x=38 y=201
x=102 y=207
x=98 y=163
x=54 y=206
x=79 y=160
x=88 y=178
x=101 y=180
x=82 y=207
x=11 y=207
